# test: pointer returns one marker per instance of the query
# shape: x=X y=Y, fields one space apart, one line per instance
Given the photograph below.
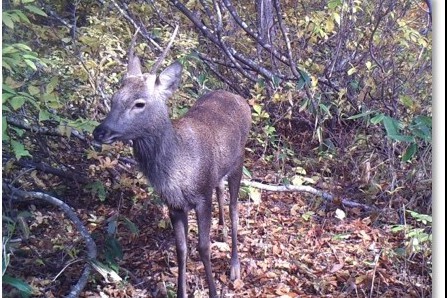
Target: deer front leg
x=179 y=220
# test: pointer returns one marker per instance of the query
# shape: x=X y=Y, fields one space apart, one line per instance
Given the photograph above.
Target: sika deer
x=184 y=159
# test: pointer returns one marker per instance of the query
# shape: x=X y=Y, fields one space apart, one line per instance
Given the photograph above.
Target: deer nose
x=99 y=133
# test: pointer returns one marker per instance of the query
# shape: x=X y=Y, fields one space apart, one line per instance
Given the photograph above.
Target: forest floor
x=290 y=245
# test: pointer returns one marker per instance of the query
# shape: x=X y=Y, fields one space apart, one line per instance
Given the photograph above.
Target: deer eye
x=139 y=105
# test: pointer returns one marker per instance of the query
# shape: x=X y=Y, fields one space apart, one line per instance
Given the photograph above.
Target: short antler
x=165 y=52
x=134 y=65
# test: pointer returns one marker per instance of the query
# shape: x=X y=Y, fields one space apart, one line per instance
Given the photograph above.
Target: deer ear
x=169 y=80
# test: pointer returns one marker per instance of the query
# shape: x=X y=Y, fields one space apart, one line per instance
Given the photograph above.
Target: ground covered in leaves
x=290 y=244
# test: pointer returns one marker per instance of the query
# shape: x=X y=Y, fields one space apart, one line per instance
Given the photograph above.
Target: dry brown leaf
x=238 y=284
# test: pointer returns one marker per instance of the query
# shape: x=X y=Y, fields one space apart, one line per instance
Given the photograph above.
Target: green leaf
x=17 y=283
x=83 y=124
x=422 y=132
x=391 y=125
x=113 y=249
x=7 y=66
x=6 y=96
x=325 y=109
x=18 y=131
x=112 y=226
x=5 y=136
x=410 y=152
x=406 y=101
x=30 y=63
x=7 y=20
x=361 y=115
x=33 y=90
x=17 y=102
x=334 y=4
x=420 y=217
x=21 y=16
x=36 y=10
x=377 y=119
x=9 y=49
x=131 y=226
x=402 y=138
x=52 y=84
x=31 y=57
x=246 y=172
x=8 y=89
x=23 y=47
x=44 y=115
x=425 y=120
x=97 y=188
x=19 y=149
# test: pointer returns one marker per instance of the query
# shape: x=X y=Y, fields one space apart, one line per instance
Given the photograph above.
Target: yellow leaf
x=330 y=26
x=297 y=180
x=255 y=195
x=351 y=71
x=336 y=18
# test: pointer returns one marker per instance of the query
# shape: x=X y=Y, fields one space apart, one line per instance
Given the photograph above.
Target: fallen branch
x=91 y=245
x=51 y=170
x=309 y=189
x=24 y=124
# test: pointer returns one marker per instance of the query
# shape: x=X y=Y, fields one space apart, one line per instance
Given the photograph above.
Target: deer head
x=139 y=106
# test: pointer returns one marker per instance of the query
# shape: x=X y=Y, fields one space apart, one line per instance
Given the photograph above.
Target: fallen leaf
x=238 y=284
x=336 y=267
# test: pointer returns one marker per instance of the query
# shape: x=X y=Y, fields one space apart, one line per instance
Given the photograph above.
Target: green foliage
x=25 y=289
x=33 y=86
x=417 y=133
x=11 y=226
x=98 y=189
x=113 y=251
x=417 y=239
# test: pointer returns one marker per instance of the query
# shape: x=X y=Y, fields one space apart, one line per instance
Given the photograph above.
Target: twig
x=286 y=40
x=228 y=50
x=268 y=47
x=125 y=13
x=90 y=243
x=376 y=263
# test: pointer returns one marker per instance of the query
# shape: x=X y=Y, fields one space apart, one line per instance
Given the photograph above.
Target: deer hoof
x=235 y=272
x=224 y=235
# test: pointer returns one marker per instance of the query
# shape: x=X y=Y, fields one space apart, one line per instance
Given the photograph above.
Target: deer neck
x=155 y=153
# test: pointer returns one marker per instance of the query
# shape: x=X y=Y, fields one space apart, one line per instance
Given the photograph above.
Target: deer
x=184 y=159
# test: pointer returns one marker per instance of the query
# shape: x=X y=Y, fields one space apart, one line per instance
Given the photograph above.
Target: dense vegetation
x=341 y=97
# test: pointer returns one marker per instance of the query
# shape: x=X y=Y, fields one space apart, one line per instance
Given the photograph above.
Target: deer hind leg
x=220 y=200
x=234 y=182
x=203 y=213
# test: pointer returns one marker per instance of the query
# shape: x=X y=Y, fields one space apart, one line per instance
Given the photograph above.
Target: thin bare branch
x=268 y=47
